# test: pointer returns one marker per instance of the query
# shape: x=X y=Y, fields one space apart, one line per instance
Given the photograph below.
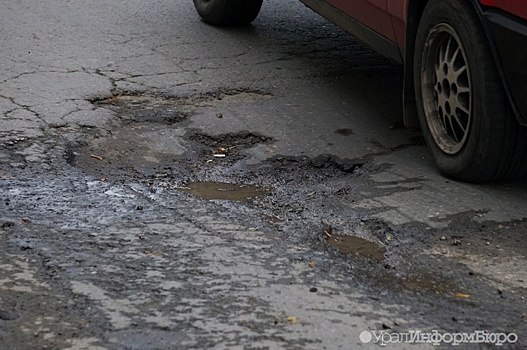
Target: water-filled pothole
x=222 y=190
x=357 y=246
x=428 y=284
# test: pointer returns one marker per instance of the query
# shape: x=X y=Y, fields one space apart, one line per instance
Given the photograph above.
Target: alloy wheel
x=447 y=93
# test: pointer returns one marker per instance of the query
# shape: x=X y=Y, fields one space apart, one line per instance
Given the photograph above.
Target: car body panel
x=370 y=35
x=516 y=7
x=398 y=10
x=372 y=13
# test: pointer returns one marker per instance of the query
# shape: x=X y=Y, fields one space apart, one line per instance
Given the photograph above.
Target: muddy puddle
x=356 y=246
x=226 y=191
x=430 y=284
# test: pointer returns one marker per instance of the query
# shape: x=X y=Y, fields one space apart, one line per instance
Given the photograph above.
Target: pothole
x=292 y=195
x=155 y=147
x=132 y=152
x=222 y=190
x=154 y=141
x=243 y=139
x=327 y=162
x=146 y=108
x=149 y=151
x=167 y=109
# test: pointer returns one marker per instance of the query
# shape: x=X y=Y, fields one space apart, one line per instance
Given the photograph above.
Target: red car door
x=372 y=13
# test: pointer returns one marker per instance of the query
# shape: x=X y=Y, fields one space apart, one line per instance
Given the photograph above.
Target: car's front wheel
x=464 y=112
x=228 y=12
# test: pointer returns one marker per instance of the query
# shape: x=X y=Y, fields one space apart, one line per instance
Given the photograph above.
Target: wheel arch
x=414 y=12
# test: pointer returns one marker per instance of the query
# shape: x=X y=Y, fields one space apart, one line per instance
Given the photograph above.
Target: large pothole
x=296 y=198
x=155 y=147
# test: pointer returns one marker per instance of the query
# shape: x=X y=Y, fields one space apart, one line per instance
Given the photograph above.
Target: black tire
x=463 y=109
x=228 y=12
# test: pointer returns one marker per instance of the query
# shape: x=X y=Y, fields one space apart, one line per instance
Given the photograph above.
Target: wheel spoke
x=463 y=109
x=447 y=50
x=444 y=51
x=463 y=89
x=459 y=72
x=454 y=57
x=452 y=130
x=460 y=124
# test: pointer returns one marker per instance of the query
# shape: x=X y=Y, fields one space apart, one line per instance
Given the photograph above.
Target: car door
x=372 y=13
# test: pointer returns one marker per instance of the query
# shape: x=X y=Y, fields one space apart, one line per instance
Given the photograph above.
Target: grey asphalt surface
x=116 y=257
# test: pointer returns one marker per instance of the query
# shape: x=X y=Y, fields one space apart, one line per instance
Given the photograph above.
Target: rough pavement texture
x=89 y=263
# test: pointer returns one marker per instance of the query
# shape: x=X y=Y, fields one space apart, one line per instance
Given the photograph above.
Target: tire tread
x=228 y=12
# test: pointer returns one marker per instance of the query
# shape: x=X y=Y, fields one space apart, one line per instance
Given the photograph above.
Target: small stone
x=313 y=289
x=443 y=238
x=8 y=315
x=398 y=322
x=6 y=224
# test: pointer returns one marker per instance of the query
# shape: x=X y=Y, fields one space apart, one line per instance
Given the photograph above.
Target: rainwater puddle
x=222 y=190
x=357 y=246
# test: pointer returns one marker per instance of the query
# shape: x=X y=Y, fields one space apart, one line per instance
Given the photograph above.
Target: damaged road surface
x=169 y=185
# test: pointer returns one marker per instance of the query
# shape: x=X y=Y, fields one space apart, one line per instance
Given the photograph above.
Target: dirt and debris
x=304 y=202
x=297 y=196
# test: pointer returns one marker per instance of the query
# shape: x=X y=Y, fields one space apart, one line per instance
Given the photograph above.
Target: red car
x=465 y=71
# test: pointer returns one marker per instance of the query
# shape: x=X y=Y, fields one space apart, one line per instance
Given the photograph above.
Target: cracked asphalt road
x=109 y=110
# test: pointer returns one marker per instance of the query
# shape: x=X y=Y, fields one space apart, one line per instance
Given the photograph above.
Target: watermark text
x=435 y=337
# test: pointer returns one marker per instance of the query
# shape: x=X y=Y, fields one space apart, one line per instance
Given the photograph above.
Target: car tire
x=465 y=115
x=228 y=12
